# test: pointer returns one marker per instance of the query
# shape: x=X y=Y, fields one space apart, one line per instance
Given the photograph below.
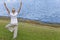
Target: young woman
x=13 y=25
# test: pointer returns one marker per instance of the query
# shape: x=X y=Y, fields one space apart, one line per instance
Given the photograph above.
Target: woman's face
x=13 y=10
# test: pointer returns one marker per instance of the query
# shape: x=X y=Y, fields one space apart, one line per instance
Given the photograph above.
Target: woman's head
x=13 y=10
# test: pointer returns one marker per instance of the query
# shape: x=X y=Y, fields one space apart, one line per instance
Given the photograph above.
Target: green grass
x=27 y=31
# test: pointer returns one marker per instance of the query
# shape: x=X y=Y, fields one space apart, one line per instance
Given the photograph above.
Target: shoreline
x=32 y=21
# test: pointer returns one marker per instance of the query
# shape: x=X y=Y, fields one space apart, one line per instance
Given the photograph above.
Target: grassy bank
x=28 y=31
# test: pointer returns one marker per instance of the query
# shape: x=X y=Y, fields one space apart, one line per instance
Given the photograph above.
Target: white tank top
x=14 y=18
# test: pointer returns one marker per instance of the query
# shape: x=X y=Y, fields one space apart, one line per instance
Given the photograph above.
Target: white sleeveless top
x=14 y=18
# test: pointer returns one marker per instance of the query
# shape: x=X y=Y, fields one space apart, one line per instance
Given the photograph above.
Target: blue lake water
x=42 y=10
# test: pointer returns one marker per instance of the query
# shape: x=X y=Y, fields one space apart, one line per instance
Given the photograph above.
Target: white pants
x=13 y=28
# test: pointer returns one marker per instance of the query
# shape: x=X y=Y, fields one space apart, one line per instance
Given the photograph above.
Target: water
x=42 y=10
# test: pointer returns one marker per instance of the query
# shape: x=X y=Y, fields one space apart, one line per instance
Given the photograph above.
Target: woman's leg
x=15 y=31
x=9 y=27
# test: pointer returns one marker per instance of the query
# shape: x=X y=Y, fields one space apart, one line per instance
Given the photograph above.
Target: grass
x=27 y=31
